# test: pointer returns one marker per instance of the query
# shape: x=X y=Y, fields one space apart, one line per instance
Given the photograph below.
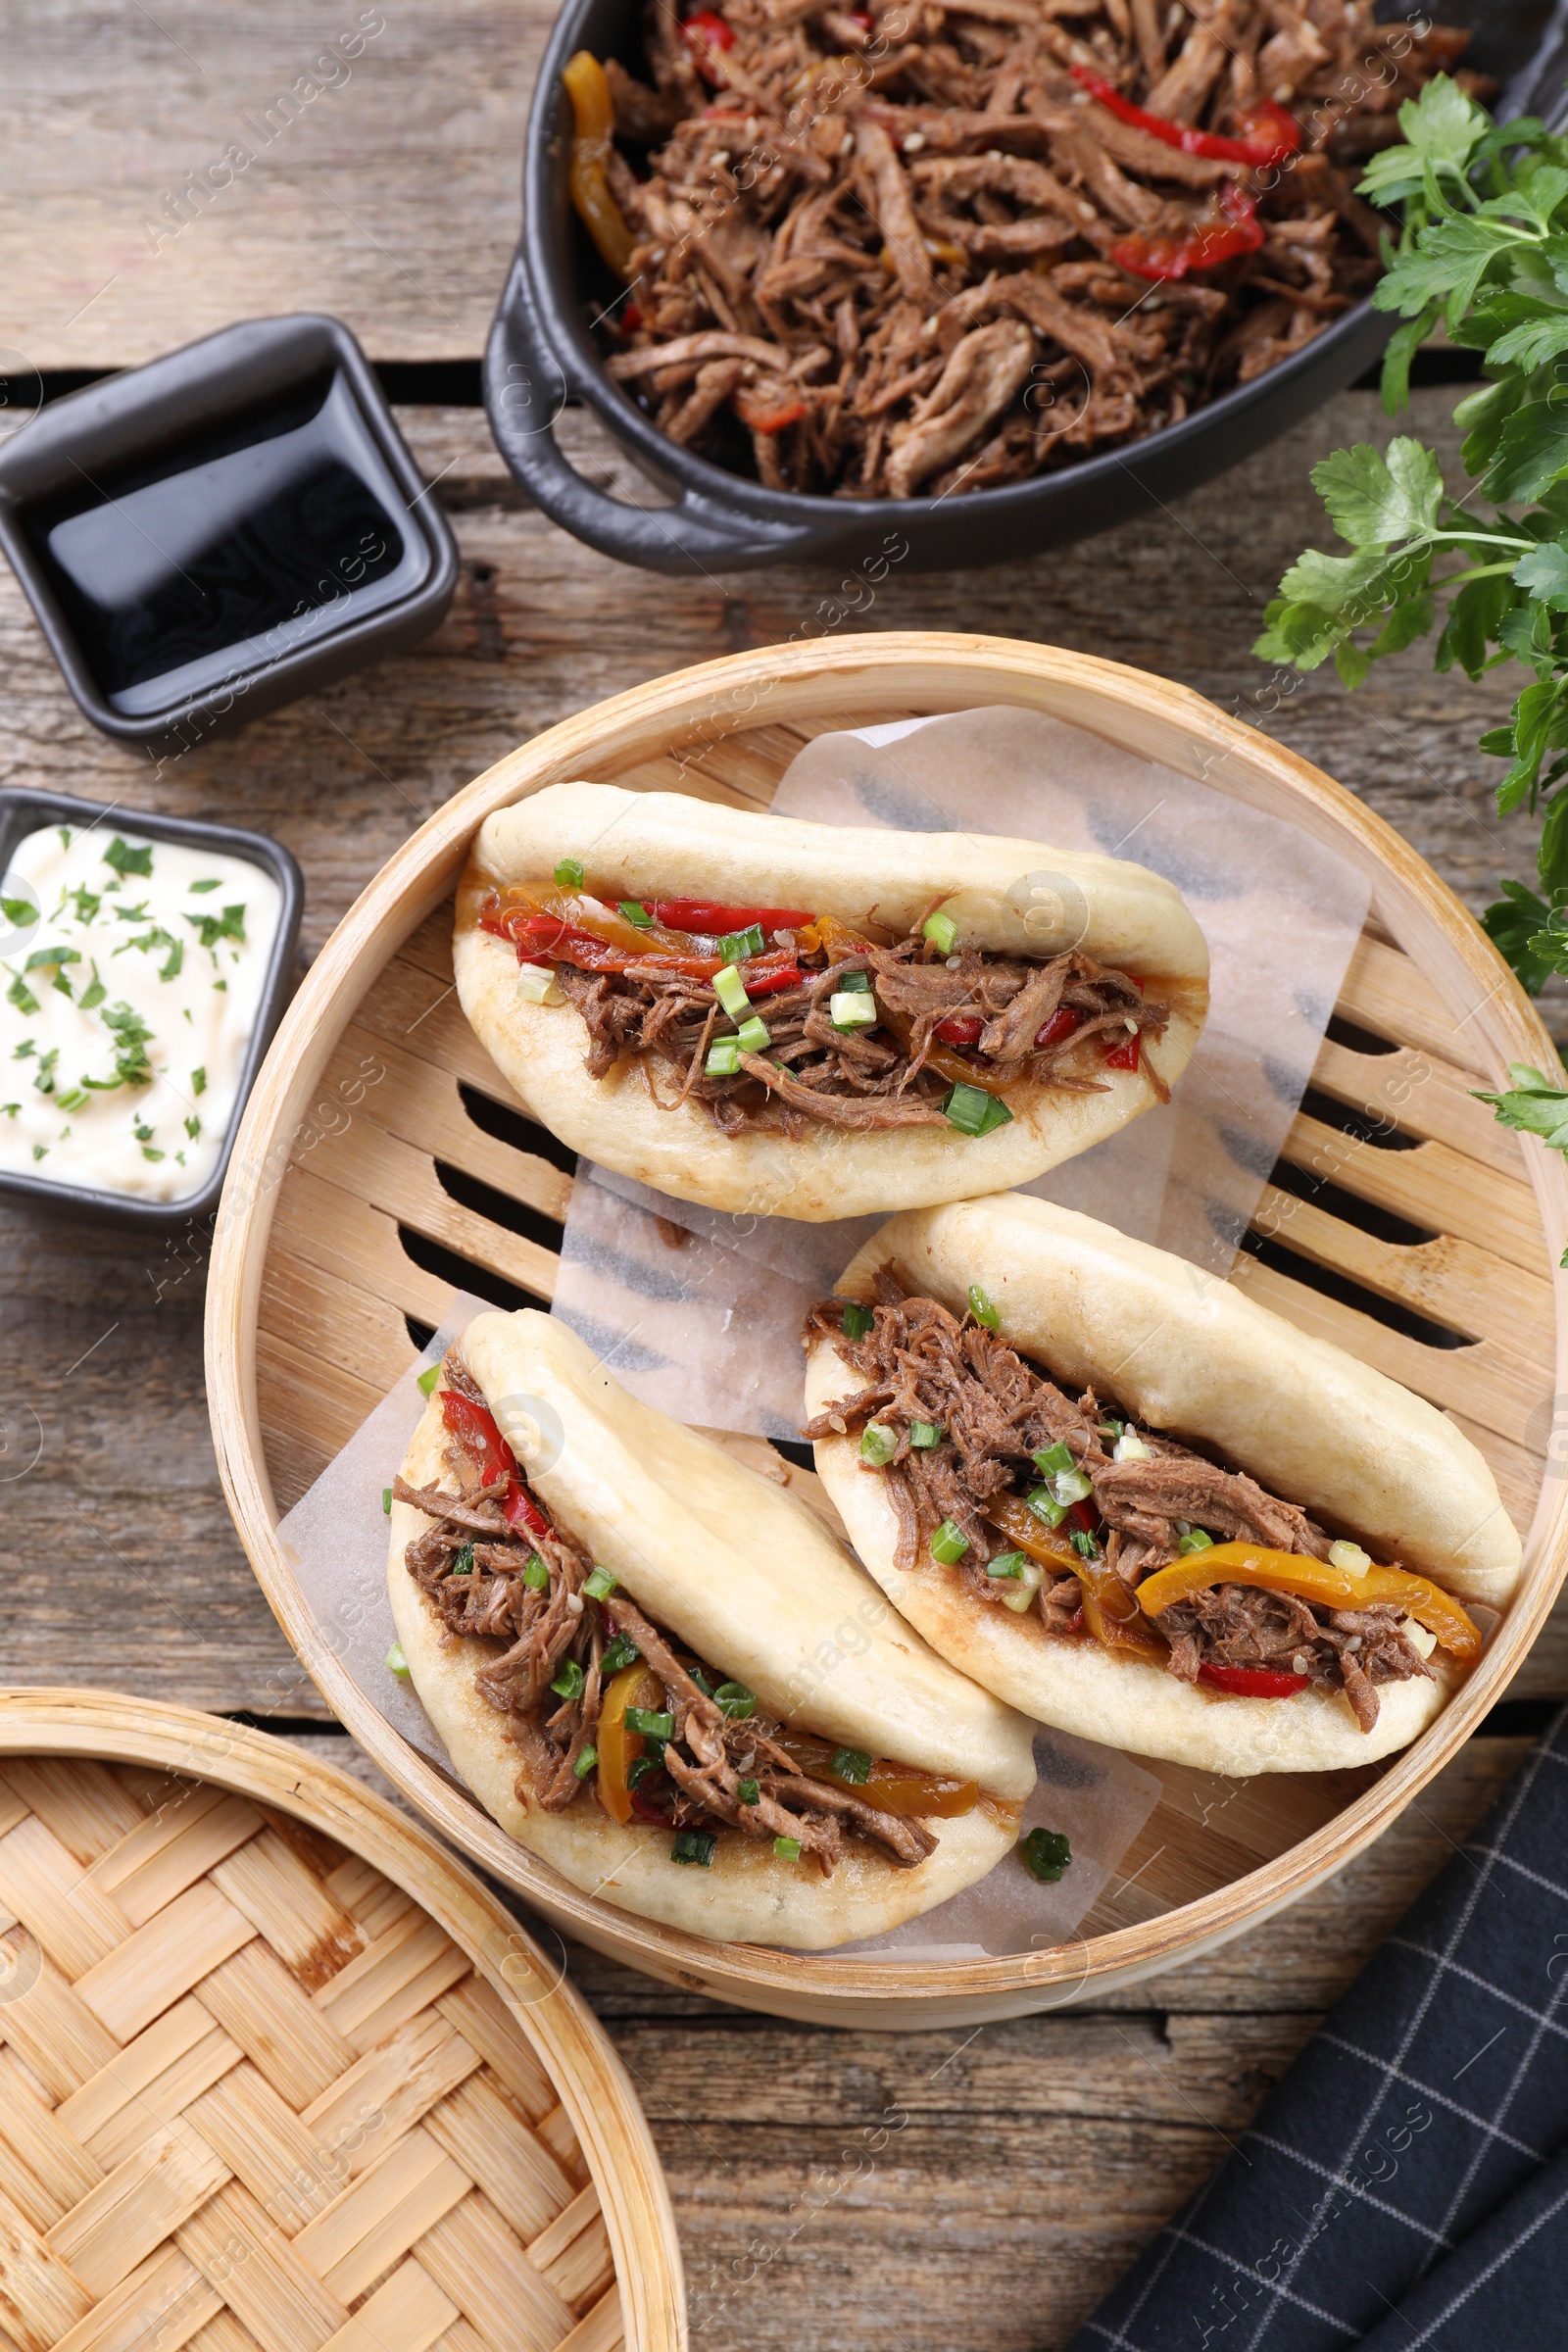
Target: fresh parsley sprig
x=1483 y=247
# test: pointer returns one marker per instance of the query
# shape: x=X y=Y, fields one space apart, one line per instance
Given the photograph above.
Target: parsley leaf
x=198 y=1082
x=230 y=924
x=21 y=995
x=131 y=1037
x=212 y=882
x=18 y=911
x=127 y=860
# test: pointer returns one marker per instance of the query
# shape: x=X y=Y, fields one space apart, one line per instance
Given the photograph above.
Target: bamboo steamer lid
x=277 y=2075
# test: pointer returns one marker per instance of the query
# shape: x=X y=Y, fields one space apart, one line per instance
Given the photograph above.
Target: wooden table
x=1034 y=2157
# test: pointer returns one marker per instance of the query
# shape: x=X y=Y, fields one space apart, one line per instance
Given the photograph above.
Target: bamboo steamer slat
x=277 y=2075
x=316 y=1264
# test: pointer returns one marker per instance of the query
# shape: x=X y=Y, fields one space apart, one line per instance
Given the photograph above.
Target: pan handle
x=524 y=390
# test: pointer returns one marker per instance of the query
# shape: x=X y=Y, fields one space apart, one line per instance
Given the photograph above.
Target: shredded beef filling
x=866 y=1078
x=995 y=1411
x=472 y=1568
x=895 y=251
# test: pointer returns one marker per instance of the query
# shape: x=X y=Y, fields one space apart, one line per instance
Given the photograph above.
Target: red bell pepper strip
x=1205 y=246
x=768 y=984
x=707 y=914
x=474 y=1426
x=1273 y=133
x=710 y=30
x=760 y=418
x=962 y=1029
x=548 y=939
x=522 y=1514
x=1251 y=1682
x=1125 y=1058
x=1061 y=1024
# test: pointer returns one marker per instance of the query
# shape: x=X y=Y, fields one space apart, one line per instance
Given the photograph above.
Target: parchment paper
x=335 y=1540
x=699 y=1312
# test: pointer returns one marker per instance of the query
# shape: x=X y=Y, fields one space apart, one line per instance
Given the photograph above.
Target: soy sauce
x=277 y=529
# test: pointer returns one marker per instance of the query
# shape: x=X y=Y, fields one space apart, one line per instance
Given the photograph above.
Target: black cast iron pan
x=542 y=355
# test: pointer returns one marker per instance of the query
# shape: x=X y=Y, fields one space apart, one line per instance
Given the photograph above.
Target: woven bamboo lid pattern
x=255 y=2098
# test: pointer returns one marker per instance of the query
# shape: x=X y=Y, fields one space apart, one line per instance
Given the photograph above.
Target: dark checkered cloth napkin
x=1406 y=2184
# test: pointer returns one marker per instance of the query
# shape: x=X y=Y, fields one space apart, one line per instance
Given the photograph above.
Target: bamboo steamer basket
x=277 y=2075
x=351 y=1214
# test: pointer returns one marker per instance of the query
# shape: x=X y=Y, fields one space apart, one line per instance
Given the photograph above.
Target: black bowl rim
x=257 y=849
x=145 y=404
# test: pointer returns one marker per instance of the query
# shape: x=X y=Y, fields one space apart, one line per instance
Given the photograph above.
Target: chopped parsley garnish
x=28 y=1044
x=88 y=902
x=20 y=912
x=127 y=860
x=131 y=1039
x=93 y=994
x=148 y=1152
x=230 y=924
x=169 y=969
x=212 y=882
x=45 y=1080
x=9 y=1110
x=132 y=914
x=38 y=1150
x=143 y=1135
x=193 y=1128
x=21 y=995
x=198 y=1082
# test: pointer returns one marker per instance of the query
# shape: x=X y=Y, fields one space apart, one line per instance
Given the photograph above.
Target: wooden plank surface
x=922 y=2194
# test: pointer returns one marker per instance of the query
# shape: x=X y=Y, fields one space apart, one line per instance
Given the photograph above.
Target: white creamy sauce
x=127 y=1006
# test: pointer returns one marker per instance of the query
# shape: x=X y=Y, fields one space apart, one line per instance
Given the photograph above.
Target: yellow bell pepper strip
x=1315 y=1581
x=900 y=1788
x=1110 y=1612
x=594 y=117
x=619 y=1748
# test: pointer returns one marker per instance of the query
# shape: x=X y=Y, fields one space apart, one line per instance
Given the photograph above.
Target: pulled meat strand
x=996 y=1412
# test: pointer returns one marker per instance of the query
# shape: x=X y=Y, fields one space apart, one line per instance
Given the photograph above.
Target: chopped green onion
x=1007 y=1563
x=620 y=1652
x=736 y=946
x=397 y=1663
x=1045 y=1505
x=569 y=1681
x=1051 y=1459
x=1349 y=1558
x=856 y=983
x=749 y=1791
x=1046 y=1855
x=702 y=1680
x=730 y=990
x=568 y=873
x=636 y=913
x=1072 y=1486
x=878 y=1445
x=853 y=1009
x=735 y=1700
x=942 y=931
x=650 y=1723
x=788 y=1849
x=463 y=1564
x=1130 y=1448
x=1195 y=1539
x=642 y=1768
x=585 y=1763
x=693 y=1845
x=949 y=1545
x=1084 y=1546
x=537 y=1576
x=997 y=1114
x=752 y=1036
x=982 y=1309
x=427 y=1380
x=858 y=1320
x=600 y=1584
x=1024 y=1588
x=965 y=1108
x=924 y=1435
x=1110 y=1428
x=723 y=1058
x=536 y=985
x=386 y=1501
x=851 y=1764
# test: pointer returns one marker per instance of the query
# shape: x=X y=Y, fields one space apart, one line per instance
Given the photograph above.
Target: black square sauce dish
x=144 y=964
x=223 y=530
